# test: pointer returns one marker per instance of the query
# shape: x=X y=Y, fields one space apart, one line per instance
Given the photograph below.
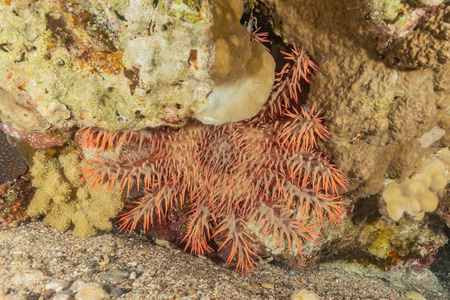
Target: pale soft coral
x=65 y=201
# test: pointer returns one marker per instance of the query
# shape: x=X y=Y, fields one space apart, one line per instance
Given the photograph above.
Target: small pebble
x=107 y=249
x=154 y=286
x=164 y=243
x=18 y=238
x=92 y=291
x=27 y=277
x=6 y=235
x=77 y=285
x=267 y=285
x=114 y=275
x=47 y=294
x=192 y=292
x=117 y=292
x=105 y=260
x=304 y=295
x=61 y=297
x=414 y=295
x=57 y=285
x=133 y=275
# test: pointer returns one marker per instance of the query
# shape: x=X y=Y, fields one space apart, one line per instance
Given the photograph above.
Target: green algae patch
x=387 y=9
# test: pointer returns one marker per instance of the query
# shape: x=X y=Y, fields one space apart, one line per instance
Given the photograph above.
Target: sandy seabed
x=37 y=262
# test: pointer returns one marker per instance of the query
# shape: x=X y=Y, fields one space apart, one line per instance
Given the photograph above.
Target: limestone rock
x=128 y=64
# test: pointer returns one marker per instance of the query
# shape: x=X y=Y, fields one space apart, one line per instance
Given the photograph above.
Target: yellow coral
x=65 y=201
x=416 y=196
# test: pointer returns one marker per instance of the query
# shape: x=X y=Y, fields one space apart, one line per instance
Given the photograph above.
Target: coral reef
x=12 y=162
x=375 y=111
x=128 y=64
x=252 y=188
x=387 y=120
x=256 y=178
x=65 y=201
x=426 y=47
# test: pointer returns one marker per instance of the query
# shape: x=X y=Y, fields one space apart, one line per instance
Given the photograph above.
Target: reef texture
x=402 y=249
x=65 y=201
x=251 y=188
x=386 y=123
x=375 y=111
x=428 y=46
x=12 y=162
x=128 y=64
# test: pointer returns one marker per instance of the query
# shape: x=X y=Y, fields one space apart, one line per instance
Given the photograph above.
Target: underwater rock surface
x=128 y=64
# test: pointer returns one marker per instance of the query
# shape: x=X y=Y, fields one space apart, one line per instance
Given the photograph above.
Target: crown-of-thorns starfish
x=262 y=173
x=286 y=88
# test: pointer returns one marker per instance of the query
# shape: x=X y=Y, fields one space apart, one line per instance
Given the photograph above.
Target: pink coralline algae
x=36 y=140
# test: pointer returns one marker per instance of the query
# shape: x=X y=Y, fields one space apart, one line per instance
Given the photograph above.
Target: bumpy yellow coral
x=416 y=196
x=65 y=201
